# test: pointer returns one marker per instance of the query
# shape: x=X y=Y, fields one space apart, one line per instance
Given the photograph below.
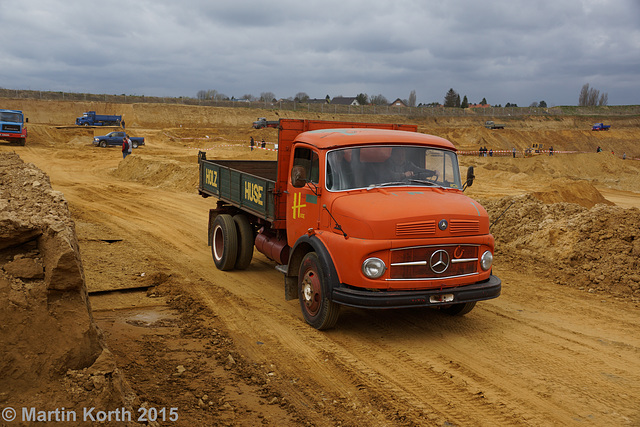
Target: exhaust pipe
x=273 y=247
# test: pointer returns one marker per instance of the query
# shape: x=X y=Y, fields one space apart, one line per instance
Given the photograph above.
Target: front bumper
x=13 y=135
x=363 y=298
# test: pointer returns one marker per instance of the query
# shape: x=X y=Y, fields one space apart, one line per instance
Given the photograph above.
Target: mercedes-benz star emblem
x=442 y=225
x=439 y=261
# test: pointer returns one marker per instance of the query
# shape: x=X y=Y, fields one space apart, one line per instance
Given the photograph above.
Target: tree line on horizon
x=451 y=99
x=588 y=97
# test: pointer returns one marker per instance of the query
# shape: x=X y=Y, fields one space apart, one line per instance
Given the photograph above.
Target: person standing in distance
x=125 y=148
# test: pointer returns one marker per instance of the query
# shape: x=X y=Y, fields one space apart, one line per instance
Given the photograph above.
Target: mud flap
x=290 y=287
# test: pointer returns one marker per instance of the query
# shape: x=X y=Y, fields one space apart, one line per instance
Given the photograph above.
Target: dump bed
x=247 y=184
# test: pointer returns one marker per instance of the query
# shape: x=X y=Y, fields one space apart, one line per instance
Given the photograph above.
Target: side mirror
x=470 y=178
x=298 y=176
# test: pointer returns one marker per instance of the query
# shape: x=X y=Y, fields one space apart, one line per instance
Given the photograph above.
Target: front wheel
x=318 y=310
x=224 y=242
x=103 y=144
x=459 y=309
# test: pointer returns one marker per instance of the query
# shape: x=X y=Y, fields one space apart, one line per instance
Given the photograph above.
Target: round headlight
x=373 y=268
x=486 y=260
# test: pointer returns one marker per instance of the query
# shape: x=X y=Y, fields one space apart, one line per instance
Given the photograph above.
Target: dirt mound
x=597 y=249
x=40 y=135
x=162 y=173
x=571 y=191
x=51 y=351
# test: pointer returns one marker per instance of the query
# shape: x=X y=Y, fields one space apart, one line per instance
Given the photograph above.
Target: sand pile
x=161 y=173
x=571 y=191
x=596 y=248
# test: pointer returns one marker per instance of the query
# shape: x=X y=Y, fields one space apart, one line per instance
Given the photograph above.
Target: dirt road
x=542 y=354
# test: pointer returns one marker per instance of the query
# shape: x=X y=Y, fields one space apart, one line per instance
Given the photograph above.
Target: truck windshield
x=398 y=165
x=10 y=117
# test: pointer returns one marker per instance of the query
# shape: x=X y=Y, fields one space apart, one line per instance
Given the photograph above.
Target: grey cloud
x=503 y=50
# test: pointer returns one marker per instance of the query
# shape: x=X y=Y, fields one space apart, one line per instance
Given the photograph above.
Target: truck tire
x=103 y=144
x=246 y=241
x=224 y=242
x=459 y=309
x=317 y=309
x=134 y=144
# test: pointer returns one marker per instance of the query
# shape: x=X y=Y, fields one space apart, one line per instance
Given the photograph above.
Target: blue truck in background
x=90 y=118
x=12 y=126
x=600 y=126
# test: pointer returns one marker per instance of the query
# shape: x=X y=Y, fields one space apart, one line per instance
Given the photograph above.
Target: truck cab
x=387 y=220
x=12 y=128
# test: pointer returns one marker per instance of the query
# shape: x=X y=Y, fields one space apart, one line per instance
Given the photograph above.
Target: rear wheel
x=245 y=241
x=459 y=309
x=313 y=293
x=224 y=242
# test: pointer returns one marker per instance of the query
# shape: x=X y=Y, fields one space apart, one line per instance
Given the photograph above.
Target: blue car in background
x=115 y=138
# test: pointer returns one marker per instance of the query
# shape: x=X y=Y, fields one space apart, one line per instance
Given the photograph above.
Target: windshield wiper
x=386 y=184
x=407 y=182
x=429 y=183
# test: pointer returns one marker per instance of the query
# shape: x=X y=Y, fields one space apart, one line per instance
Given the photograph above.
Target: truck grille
x=458 y=226
x=433 y=262
x=11 y=128
x=416 y=228
x=427 y=228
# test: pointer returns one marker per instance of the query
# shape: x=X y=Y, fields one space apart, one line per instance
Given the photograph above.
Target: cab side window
x=308 y=159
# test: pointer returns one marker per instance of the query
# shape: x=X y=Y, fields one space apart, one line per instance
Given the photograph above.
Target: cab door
x=303 y=203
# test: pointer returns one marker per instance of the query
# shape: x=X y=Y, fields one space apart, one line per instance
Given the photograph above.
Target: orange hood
x=409 y=213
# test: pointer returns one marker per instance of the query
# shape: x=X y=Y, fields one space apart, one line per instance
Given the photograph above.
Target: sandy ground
x=560 y=346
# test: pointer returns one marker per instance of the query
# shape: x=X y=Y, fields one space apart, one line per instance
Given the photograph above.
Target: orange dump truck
x=365 y=215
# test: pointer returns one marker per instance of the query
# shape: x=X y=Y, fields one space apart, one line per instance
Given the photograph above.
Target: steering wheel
x=433 y=177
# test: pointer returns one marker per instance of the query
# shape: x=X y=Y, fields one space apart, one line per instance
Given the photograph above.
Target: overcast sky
x=505 y=51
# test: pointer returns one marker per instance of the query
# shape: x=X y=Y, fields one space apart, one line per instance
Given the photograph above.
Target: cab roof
x=345 y=137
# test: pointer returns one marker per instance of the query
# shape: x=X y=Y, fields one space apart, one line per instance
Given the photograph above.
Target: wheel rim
x=218 y=243
x=311 y=292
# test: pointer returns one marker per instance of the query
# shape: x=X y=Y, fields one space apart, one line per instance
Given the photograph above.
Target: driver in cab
x=399 y=168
